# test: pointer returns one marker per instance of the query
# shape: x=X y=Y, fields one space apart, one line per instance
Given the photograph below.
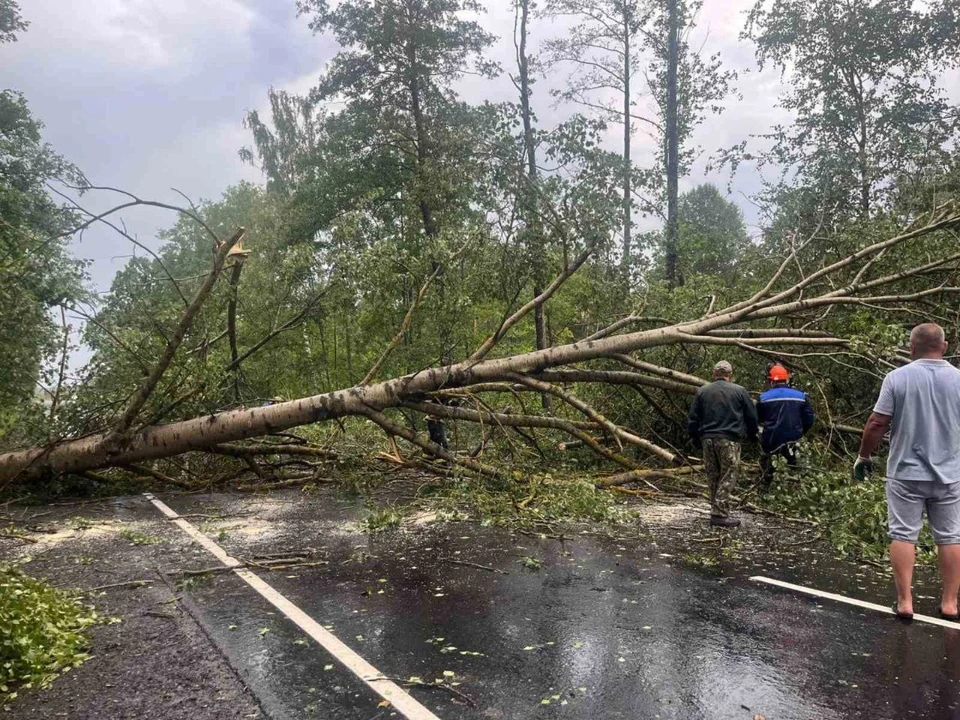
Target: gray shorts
x=906 y=501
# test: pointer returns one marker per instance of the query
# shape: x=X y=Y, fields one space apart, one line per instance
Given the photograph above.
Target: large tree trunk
x=162 y=441
x=423 y=153
x=801 y=298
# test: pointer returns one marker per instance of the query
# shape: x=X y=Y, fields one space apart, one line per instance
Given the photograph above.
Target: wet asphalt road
x=605 y=629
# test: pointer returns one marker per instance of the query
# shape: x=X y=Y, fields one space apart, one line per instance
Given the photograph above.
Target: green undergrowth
x=543 y=499
x=382 y=519
x=539 y=501
x=41 y=632
x=851 y=516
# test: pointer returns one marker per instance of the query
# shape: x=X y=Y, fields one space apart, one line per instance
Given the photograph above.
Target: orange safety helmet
x=778 y=373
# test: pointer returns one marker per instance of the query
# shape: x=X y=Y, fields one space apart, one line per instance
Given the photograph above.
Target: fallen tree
x=841 y=283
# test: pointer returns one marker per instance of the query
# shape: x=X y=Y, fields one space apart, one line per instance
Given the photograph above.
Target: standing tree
x=604 y=48
x=382 y=164
x=864 y=87
x=10 y=21
x=399 y=59
x=612 y=43
x=531 y=190
x=36 y=272
x=686 y=85
x=672 y=150
x=711 y=237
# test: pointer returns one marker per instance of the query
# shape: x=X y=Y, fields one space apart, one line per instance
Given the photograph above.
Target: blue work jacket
x=785 y=415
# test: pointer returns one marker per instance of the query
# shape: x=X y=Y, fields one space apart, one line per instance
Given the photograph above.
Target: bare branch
x=150 y=382
x=407 y=320
x=431 y=448
x=614 y=430
x=536 y=302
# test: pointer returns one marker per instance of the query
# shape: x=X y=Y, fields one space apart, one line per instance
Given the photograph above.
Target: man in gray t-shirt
x=920 y=405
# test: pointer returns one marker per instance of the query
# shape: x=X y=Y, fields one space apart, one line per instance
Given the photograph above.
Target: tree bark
x=200 y=433
x=627 y=153
x=672 y=259
x=232 y=325
x=420 y=127
x=532 y=219
x=100 y=450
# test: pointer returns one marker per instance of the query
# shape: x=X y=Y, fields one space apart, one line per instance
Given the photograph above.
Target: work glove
x=862 y=469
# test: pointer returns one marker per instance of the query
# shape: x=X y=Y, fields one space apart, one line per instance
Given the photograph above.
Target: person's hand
x=862 y=469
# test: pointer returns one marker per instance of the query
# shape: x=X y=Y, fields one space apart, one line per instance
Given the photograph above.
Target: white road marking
x=853 y=601
x=399 y=698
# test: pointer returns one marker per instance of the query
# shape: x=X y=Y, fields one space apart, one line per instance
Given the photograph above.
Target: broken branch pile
x=782 y=314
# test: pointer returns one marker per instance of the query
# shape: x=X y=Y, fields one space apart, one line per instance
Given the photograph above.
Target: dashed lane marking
x=852 y=601
x=399 y=698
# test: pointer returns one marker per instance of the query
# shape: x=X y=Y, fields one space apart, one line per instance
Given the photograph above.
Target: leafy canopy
x=37 y=272
x=864 y=86
x=10 y=21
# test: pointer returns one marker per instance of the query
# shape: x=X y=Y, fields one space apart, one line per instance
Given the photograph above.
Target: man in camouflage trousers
x=721 y=416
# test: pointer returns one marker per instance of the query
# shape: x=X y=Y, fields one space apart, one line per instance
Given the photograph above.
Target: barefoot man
x=920 y=404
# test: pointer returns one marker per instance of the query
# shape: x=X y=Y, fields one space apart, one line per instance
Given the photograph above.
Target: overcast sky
x=150 y=94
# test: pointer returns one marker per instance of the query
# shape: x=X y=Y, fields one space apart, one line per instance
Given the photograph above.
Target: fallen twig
x=128 y=583
x=280 y=485
x=410 y=682
x=280 y=556
x=277 y=563
x=751 y=508
x=18 y=536
x=541 y=535
x=627 y=491
x=467 y=563
x=207 y=516
x=204 y=571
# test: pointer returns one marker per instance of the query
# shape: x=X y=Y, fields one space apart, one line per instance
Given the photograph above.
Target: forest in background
x=401 y=230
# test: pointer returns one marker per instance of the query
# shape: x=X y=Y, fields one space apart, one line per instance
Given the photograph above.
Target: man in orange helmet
x=785 y=415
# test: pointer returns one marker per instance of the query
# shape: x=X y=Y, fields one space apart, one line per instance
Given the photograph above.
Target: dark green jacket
x=722 y=409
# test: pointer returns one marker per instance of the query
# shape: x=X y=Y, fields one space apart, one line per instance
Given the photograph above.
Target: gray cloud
x=148 y=96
